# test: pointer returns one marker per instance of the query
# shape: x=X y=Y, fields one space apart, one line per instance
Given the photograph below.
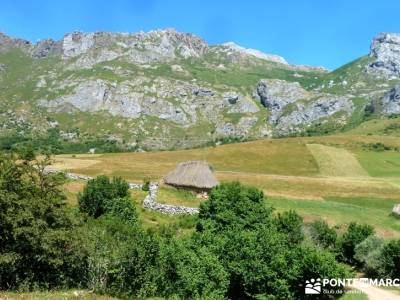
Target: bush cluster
x=240 y=248
x=359 y=247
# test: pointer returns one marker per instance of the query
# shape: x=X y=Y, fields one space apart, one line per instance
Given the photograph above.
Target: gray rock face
x=77 y=43
x=241 y=129
x=140 y=48
x=119 y=100
x=391 y=101
x=305 y=114
x=385 y=49
x=45 y=48
x=277 y=94
x=291 y=107
x=237 y=53
x=203 y=92
x=231 y=98
x=242 y=105
x=7 y=43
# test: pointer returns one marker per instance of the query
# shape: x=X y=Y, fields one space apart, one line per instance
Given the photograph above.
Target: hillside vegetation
x=166 y=90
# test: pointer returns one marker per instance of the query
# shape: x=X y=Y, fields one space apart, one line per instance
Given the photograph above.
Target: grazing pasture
x=337 y=178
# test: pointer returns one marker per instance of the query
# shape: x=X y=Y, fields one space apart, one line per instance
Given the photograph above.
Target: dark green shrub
x=369 y=109
x=390 y=257
x=378 y=147
x=146 y=185
x=232 y=205
x=98 y=192
x=354 y=235
x=122 y=260
x=323 y=235
x=123 y=208
x=194 y=272
x=37 y=241
x=368 y=254
x=290 y=223
x=260 y=253
x=26 y=152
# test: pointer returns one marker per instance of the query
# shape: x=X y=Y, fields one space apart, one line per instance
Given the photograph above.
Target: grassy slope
x=18 y=84
x=284 y=168
x=384 y=127
x=338 y=162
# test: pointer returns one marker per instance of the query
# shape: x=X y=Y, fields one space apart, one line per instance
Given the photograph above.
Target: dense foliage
x=53 y=142
x=37 y=247
x=239 y=249
x=323 y=235
x=368 y=254
x=101 y=195
x=391 y=259
x=263 y=255
x=355 y=234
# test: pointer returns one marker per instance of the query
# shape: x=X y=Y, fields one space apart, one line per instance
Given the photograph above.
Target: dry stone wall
x=150 y=201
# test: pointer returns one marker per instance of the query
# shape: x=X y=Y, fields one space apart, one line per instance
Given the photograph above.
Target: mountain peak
x=7 y=42
x=256 y=53
x=163 y=43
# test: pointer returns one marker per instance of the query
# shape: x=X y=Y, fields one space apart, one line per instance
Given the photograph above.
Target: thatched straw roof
x=192 y=174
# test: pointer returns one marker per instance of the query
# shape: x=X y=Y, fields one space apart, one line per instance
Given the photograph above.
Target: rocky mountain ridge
x=165 y=89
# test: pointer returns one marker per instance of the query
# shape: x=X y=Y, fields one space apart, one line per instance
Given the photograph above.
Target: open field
x=373 y=211
x=337 y=162
x=389 y=127
x=333 y=177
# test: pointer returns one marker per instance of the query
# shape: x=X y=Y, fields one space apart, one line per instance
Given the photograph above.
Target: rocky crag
x=165 y=89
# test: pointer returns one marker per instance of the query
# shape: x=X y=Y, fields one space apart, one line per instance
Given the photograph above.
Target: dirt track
x=375 y=293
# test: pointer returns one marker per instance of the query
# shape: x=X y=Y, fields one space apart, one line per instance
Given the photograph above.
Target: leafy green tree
x=323 y=235
x=232 y=205
x=354 y=235
x=146 y=185
x=290 y=223
x=26 y=152
x=368 y=253
x=124 y=208
x=192 y=271
x=37 y=245
x=122 y=260
x=261 y=254
x=390 y=257
x=98 y=192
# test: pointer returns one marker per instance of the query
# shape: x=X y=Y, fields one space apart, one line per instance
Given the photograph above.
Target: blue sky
x=326 y=32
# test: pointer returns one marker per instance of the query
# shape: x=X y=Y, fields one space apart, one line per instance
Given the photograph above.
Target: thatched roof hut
x=196 y=175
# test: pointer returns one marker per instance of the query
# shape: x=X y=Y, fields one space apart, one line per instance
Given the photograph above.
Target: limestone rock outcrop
x=390 y=102
x=385 y=50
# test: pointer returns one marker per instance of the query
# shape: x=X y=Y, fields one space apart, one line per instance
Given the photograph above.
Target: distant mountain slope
x=165 y=89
